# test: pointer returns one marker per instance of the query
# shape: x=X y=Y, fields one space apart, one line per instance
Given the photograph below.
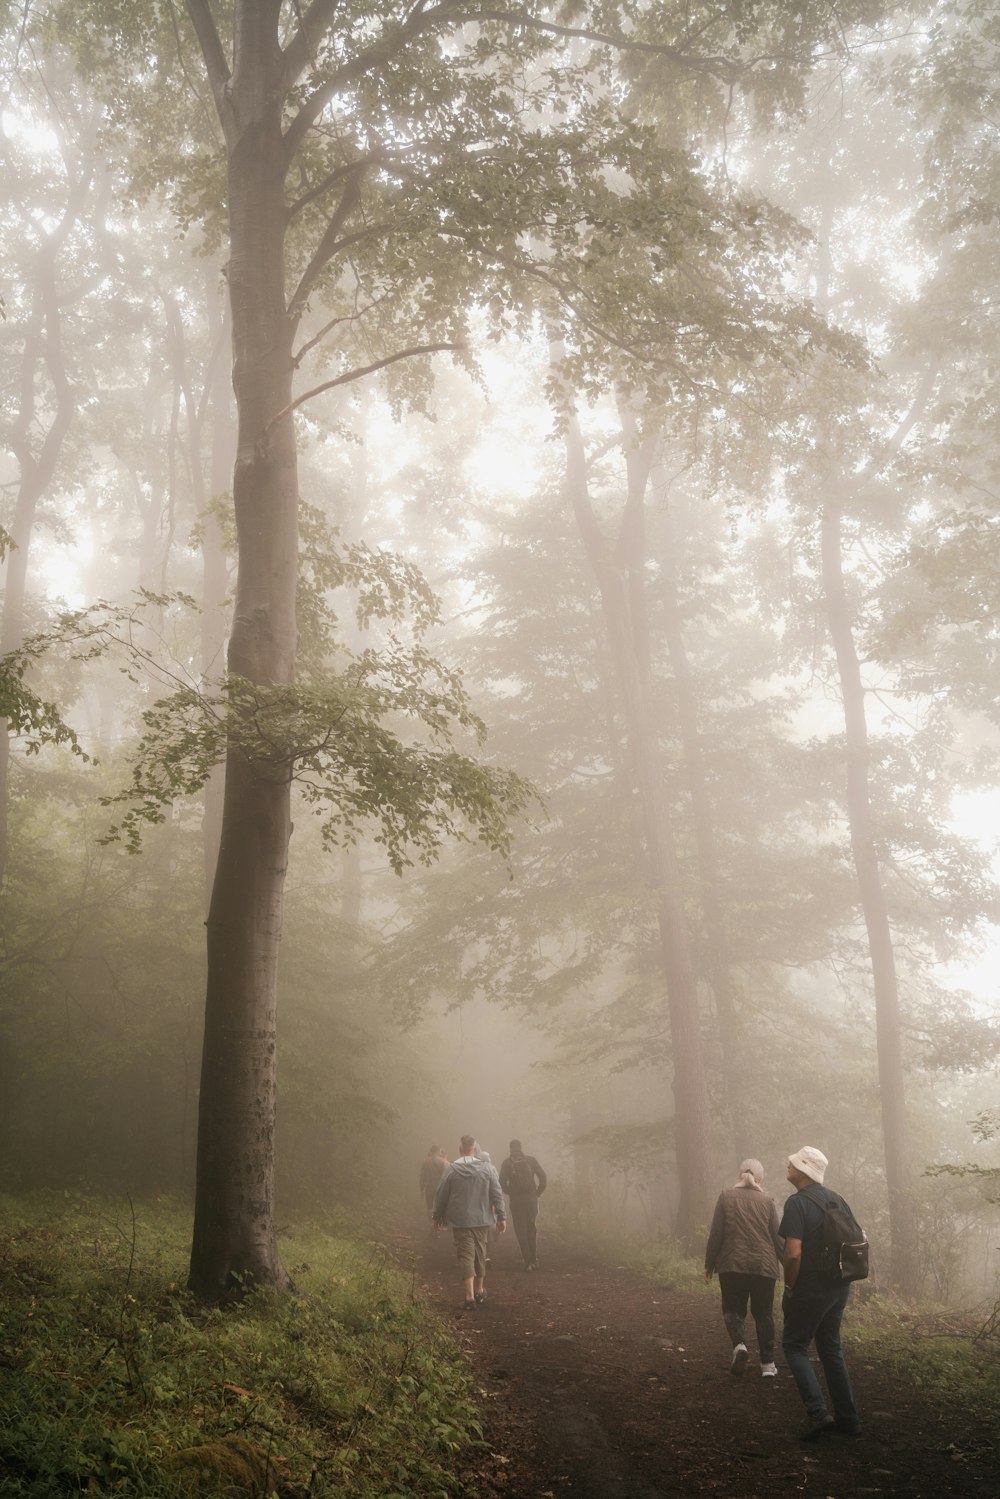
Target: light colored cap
x=810 y=1161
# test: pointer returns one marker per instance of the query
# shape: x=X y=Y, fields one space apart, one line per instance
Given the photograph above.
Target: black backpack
x=521 y=1176
x=843 y=1248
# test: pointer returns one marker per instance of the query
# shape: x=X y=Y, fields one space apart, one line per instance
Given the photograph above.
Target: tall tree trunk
x=717 y=960
x=214 y=563
x=621 y=587
x=42 y=357
x=234 y=1229
x=888 y=1035
x=895 y=1133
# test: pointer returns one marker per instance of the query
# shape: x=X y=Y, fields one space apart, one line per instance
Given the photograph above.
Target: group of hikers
x=467 y=1196
x=748 y=1246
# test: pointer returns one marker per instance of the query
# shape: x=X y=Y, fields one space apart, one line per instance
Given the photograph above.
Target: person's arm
x=541 y=1180
x=792 y=1226
x=776 y=1239
x=792 y=1263
x=715 y=1236
x=505 y=1175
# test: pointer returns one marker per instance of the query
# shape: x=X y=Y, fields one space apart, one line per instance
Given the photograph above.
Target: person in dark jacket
x=524 y=1181
x=431 y=1169
x=469 y=1202
x=744 y=1247
x=813 y=1308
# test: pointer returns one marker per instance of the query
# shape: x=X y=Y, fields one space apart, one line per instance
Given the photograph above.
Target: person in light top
x=469 y=1202
x=744 y=1247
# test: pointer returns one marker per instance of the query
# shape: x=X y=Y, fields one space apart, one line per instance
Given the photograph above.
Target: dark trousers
x=738 y=1288
x=817 y=1315
x=523 y=1213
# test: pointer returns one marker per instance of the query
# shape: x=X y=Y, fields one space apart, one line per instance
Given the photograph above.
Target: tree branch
x=328 y=240
x=346 y=379
x=380 y=52
x=216 y=66
x=301 y=49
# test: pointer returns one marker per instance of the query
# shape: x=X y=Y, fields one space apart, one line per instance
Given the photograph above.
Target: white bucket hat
x=810 y=1161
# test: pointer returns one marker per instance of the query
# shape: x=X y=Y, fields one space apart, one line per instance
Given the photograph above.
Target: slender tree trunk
x=42 y=356
x=891 y=1074
x=716 y=964
x=620 y=583
x=215 y=566
x=234 y=1230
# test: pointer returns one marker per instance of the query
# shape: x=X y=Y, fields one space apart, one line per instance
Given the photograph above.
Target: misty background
x=735 y=622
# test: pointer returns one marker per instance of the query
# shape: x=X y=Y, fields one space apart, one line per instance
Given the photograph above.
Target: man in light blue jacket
x=469 y=1202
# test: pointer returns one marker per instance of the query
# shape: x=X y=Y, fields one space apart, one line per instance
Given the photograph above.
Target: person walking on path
x=469 y=1202
x=524 y=1181
x=813 y=1308
x=744 y=1247
x=431 y=1169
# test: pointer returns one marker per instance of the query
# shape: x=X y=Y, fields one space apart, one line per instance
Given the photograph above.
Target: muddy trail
x=595 y=1384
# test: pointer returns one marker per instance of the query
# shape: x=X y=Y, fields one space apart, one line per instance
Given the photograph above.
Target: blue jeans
x=817 y=1314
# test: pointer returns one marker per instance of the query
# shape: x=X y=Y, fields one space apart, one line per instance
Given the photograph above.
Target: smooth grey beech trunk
x=234 y=1239
x=888 y=1028
x=717 y=948
x=619 y=581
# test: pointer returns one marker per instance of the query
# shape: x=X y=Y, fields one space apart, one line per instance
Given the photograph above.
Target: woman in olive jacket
x=744 y=1247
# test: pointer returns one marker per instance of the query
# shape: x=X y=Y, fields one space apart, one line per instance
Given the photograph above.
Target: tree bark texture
x=621 y=587
x=234 y=1237
x=888 y=1030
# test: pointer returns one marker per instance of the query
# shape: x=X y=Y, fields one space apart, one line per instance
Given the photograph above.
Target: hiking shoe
x=470 y=1306
x=818 y=1426
x=739 y=1360
x=769 y=1371
x=480 y=1298
x=529 y=1267
x=848 y=1428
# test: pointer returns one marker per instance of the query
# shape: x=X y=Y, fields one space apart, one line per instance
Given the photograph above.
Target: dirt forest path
x=596 y=1384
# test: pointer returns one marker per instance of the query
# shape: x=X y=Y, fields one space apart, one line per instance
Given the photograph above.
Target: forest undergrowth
x=114 y=1381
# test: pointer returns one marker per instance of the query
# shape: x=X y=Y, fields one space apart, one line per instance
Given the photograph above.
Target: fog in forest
x=536 y=512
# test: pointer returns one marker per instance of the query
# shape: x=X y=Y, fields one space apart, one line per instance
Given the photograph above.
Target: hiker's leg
x=520 y=1222
x=831 y=1356
x=802 y=1314
x=530 y=1228
x=480 y=1240
x=465 y=1255
x=735 y=1290
x=762 y=1311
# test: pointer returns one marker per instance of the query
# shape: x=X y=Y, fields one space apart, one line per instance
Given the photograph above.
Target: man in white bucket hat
x=813 y=1308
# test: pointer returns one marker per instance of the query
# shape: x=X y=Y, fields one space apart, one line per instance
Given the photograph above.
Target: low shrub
x=114 y=1380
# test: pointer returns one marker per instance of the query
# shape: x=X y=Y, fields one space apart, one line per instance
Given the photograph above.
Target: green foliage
x=30 y=717
x=937 y=1354
x=340 y=734
x=114 y=1379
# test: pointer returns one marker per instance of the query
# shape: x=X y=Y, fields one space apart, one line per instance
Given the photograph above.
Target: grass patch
x=115 y=1381
x=935 y=1351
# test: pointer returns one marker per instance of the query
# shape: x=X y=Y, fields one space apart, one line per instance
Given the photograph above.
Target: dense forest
x=500 y=623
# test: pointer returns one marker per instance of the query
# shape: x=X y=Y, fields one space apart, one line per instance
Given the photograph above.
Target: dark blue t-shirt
x=803 y=1219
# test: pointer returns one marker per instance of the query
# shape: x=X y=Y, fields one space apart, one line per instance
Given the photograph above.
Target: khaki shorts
x=470 y=1250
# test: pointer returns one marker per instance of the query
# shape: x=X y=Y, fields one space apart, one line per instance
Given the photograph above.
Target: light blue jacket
x=469 y=1195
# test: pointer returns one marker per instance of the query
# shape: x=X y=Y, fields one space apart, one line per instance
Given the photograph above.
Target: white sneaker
x=739 y=1361
x=769 y=1371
